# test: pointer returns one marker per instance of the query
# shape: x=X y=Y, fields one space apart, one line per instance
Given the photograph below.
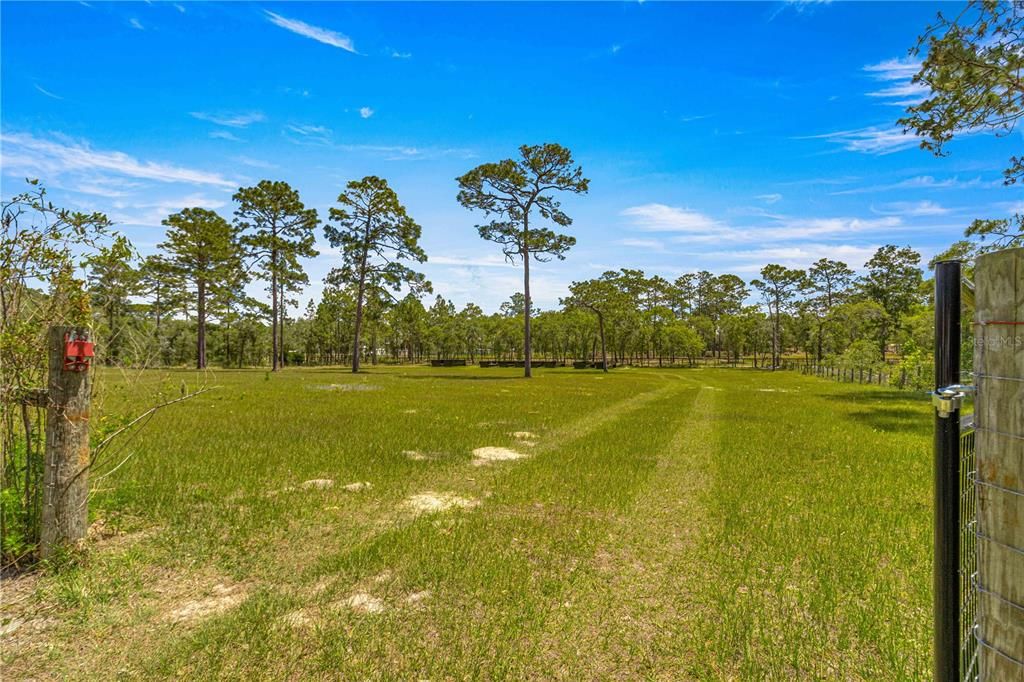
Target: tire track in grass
x=636 y=614
x=347 y=567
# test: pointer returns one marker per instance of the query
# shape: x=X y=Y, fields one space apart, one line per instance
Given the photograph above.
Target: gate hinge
x=948 y=399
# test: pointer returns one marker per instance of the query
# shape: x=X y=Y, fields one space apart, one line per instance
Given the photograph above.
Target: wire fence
x=968 y=553
x=899 y=377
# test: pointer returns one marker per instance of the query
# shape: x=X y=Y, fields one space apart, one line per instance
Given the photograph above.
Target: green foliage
x=375 y=233
x=39 y=245
x=511 y=190
x=972 y=69
x=276 y=230
x=203 y=252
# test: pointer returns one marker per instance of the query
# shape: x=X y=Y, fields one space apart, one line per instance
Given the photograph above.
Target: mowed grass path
x=666 y=524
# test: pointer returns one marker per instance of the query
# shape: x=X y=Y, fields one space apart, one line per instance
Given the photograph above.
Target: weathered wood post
x=65 y=511
x=999 y=426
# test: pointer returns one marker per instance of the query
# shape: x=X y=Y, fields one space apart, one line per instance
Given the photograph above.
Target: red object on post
x=78 y=353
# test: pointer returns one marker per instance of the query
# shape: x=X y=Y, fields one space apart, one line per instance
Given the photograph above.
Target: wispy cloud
x=646 y=244
x=321 y=35
x=151 y=213
x=870 y=140
x=395 y=54
x=136 y=24
x=924 y=182
x=911 y=208
x=694 y=227
x=898 y=74
x=180 y=8
x=663 y=218
x=225 y=135
x=46 y=92
x=240 y=120
x=366 y=112
x=487 y=261
x=256 y=163
x=27 y=155
x=773 y=198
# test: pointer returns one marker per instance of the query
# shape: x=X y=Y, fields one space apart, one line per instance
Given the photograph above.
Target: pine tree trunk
x=201 y=330
x=273 y=311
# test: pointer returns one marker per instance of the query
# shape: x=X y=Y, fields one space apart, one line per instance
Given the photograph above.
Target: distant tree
x=893 y=280
x=512 y=190
x=112 y=281
x=374 y=232
x=277 y=229
x=831 y=279
x=159 y=283
x=972 y=68
x=779 y=286
x=598 y=296
x=204 y=254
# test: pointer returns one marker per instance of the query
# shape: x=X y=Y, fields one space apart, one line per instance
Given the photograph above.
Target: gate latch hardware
x=948 y=399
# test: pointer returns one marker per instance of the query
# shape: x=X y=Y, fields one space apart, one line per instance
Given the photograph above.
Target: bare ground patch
x=430 y=502
x=486 y=455
x=221 y=598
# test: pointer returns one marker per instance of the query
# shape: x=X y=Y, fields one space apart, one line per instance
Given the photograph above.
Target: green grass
x=676 y=524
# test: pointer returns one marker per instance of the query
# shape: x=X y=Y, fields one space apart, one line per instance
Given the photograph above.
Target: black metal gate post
x=947 y=471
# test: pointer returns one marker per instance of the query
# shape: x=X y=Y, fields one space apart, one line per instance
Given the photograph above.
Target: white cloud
x=321 y=35
x=180 y=8
x=770 y=198
x=898 y=73
x=225 y=135
x=401 y=55
x=698 y=228
x=663 y=218
x=136 y=24
x=152 y=213
x=911 y=208
x=489 y=261
x=27 y=155
x=750 y=261
x=230 y=120
x=803 y=228
x=255 y=163
x=366 y=112
x=870 y=140
x=648 y=244
x=924 y=182
x=894 y=69
x=46 y=92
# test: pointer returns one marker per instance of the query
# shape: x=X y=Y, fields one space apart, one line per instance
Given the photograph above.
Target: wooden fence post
x=999 y=418
x=65 y=513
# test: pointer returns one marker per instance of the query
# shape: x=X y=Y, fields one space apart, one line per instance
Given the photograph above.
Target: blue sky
x=716 y=136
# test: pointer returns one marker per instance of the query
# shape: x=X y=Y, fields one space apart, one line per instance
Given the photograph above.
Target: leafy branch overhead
x=973 y=69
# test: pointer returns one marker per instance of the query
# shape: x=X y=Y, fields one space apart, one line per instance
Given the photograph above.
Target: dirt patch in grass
x=363 y=602
x=356 y=487
x=417 y=597
x=345 y=387
x=429 y=502
x=222 y=597
x=486 y=455
x=317 y=484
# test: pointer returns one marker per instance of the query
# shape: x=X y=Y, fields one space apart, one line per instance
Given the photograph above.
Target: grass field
x=677 y=524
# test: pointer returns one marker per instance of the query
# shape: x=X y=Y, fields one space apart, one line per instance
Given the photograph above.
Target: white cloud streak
x=26 y=154
x=321 y=35
x=46 y=92
x=230 y=120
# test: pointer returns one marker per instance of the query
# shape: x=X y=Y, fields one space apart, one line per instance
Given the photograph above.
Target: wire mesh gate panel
x=968 y=553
